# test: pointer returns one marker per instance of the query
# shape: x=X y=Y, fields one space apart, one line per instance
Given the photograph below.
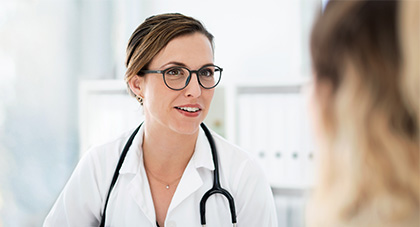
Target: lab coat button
x=171 y=224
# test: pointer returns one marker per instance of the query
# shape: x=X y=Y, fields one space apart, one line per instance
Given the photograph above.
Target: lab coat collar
x=191 y=180
x=133 y=164
x=134 y=159
x=202 y=156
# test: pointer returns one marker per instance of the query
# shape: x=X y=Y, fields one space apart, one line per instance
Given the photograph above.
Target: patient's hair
x=153 y=35
x=367 y=54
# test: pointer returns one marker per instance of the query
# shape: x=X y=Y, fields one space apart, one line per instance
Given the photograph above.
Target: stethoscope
x=214 y=190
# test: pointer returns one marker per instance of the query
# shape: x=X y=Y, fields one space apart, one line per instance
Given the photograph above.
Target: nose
x=193 y=88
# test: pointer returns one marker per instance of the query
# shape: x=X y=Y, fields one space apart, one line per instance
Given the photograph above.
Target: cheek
x=155 y=95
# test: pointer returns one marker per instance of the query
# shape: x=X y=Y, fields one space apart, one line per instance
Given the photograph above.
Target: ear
x=136 y=84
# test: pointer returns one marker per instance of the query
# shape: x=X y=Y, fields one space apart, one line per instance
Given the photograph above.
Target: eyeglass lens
x=179 y=77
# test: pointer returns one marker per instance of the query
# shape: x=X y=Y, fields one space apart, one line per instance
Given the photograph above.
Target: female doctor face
x=183 y=110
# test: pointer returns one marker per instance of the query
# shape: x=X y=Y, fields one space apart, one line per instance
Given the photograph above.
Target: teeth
x=189 y=109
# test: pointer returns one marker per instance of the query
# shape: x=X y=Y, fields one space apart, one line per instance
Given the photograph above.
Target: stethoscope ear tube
x=216 y=183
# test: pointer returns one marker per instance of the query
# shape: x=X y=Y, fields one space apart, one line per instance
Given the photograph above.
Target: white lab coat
x=130 y=204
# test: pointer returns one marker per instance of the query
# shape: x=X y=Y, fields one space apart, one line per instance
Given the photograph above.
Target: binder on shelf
x=260 y=132
x=274 y=127
x=277 y=140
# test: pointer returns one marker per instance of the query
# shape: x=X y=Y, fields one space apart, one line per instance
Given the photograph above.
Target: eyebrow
x=175 y=63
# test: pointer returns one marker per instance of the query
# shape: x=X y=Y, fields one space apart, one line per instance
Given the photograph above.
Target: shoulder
x=83 y=196
x=228 y=148
x=109 y=150
x=100 y=160
x=231 y=152
x=246 y=180
x=97 y=166
x=235 y=161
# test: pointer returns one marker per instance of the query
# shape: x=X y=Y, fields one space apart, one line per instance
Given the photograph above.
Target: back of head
x=154 y=34
x=369 y=173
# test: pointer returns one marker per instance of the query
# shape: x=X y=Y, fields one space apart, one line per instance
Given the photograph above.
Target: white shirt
x=82 y=200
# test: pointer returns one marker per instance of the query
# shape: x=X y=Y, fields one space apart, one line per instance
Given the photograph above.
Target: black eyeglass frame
x=144 y=71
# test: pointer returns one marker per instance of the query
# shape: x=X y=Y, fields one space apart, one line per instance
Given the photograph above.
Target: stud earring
x=140 y=99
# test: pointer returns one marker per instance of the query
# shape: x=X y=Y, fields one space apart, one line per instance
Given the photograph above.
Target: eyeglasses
x=178 y=77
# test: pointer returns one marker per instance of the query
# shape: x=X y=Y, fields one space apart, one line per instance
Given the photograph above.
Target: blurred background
x=62 y=90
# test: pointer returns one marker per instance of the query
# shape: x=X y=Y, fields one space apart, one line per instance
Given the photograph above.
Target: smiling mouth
x=189 y=109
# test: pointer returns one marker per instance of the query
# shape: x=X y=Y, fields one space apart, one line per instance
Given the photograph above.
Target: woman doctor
x=169 y=166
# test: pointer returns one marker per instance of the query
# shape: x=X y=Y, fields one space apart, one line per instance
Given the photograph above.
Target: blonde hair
x=410 y=47
x=369 y=169
x=153 y=35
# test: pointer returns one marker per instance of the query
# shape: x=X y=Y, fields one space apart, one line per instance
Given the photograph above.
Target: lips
x=190 y=110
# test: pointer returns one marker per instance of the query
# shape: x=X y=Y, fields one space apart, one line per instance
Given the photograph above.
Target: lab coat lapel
x=139 y=188
x=191 y=180
x=140 y=192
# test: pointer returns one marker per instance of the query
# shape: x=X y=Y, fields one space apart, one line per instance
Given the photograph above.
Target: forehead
x=193 y=50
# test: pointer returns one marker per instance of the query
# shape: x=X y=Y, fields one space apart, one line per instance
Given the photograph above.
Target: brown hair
x=369 y=170
x=154 y=34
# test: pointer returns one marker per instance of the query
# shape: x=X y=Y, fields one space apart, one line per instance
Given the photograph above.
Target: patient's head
x=365 y=113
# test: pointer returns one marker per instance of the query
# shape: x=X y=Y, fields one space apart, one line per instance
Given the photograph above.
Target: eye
x=175 y=72
x=206 y=72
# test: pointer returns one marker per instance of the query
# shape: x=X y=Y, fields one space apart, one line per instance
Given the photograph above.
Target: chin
x=187 y=128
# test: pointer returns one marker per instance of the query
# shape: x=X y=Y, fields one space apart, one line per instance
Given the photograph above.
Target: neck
x=165 y=151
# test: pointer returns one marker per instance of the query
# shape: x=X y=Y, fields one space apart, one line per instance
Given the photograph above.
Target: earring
x=140 y=99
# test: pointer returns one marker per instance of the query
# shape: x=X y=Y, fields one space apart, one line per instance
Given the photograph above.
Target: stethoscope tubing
x=117 y=172
x=214 y=190
x=216 y=183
